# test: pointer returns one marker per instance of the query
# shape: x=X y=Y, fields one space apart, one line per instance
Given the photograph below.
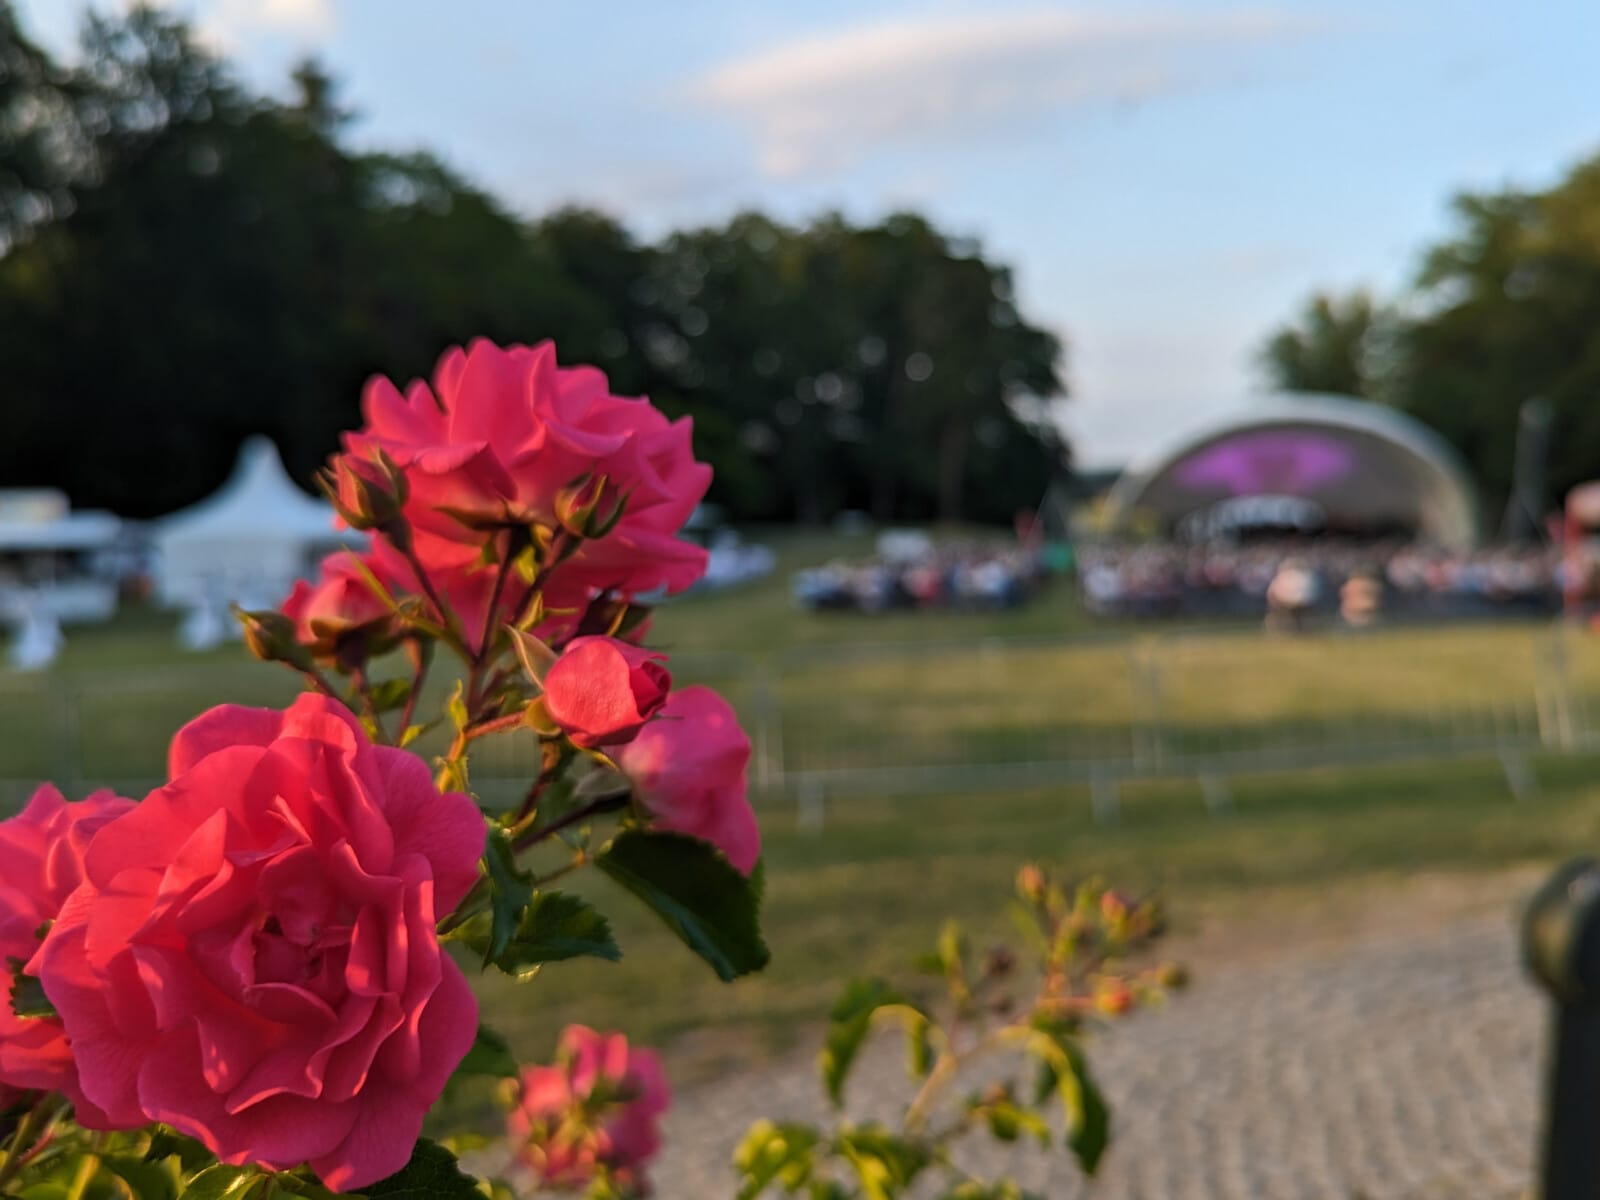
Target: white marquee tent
x=247 y=542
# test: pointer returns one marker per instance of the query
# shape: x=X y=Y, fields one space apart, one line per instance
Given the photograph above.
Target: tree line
x=185 y=262
x=1503 y=310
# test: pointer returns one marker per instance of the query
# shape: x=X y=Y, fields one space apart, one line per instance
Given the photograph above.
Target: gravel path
x=1401 y=1067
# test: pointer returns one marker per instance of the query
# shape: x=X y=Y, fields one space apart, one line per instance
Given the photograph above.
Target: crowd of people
x=1360 y=580
x=931 y=575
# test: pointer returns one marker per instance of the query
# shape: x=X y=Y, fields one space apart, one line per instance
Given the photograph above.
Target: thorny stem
x=419 y=672
x=358 y=675
x=447 y=616
x=943 y=1073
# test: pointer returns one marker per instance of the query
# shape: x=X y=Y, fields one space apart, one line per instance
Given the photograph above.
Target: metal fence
x=894 y=718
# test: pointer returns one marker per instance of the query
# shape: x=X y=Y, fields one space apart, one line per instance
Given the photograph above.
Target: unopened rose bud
x=1031 y=884
x=589 y=507
x=1114 y=907
x=271 y=638
x=1113 y=998
x=367 y=492
x=998 y=961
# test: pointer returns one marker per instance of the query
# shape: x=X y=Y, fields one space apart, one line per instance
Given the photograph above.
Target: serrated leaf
x=772 y=1152
x=27 y=993
x=510 y=891
x=432 y=1174
x=554 y=927
x=697 y=892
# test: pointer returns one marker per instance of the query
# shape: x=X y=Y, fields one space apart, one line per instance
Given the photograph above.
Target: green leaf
x=697 y=892
x=885 y=1163
x=166 y=1142
x=1007 y=1121
x=1064 y=1069
x=149 y=1180
x=865 y=1004
x=432 y=1174
x=456 y=707
x=848 y=1025
x=27 y=993
x=490 y=1055
x=773 y=1152
x=391 y=694
x=511 y=889
x=555 y=926
x=222 y=1182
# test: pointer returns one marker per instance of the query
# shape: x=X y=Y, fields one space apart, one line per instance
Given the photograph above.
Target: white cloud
x=822 y=103
x=233 y=21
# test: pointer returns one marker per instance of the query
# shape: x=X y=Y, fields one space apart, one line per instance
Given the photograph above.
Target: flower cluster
x=595 y=1111
x=254 y=954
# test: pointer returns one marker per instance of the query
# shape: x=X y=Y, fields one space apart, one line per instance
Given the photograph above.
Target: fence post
x=1561 y=949
x=1553 y=695
x=1104 y=800
x=769 y=732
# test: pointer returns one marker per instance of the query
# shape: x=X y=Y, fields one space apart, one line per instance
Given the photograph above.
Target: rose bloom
x=41 y=864
x=598 y=1107
x=339 y=607
x=252 y=956
x=687 y=768
x=601 y=691
x=504 y=430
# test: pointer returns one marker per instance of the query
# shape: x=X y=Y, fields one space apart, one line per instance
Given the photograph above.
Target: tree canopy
x=184 y=263
x=1504 y=309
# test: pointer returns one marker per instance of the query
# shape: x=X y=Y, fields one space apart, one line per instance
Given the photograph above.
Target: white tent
x=247 y=542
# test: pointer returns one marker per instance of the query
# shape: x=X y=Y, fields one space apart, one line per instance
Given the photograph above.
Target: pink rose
x=501 y=435
x=341 y=610
x=252 y=956
x=687 y=768
x=598 y=1107
x=601 y=691
x=41 y=863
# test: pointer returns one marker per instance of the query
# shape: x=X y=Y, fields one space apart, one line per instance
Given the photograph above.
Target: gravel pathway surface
x=1400 y=1066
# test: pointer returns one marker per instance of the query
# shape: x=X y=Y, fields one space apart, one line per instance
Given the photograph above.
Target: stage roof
x=1301 y=459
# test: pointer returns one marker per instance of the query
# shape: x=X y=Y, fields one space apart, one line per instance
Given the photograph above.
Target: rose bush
x=251 y=957
x=241 y=987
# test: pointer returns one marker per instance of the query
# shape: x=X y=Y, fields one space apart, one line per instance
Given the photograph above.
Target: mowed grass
x=843 y=692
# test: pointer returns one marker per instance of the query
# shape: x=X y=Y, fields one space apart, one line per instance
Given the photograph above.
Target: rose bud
x=1031 y=884
x=601 y=691
x=341 y=616
x=368 y=493
x=271 y=638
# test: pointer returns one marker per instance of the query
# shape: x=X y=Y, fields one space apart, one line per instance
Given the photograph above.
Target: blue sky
x=1169 y=181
